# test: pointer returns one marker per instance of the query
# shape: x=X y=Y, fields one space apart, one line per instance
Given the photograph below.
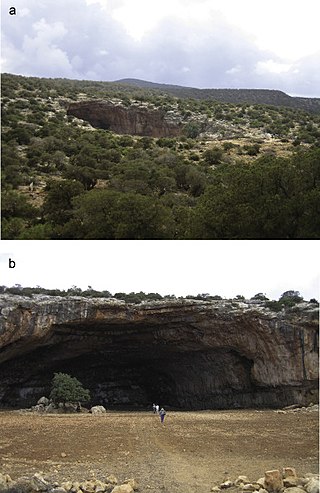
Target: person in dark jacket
x=162 y=414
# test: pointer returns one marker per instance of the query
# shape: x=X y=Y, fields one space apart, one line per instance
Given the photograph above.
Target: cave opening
x=176 y=379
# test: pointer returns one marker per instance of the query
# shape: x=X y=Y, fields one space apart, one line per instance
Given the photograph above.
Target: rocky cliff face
x=133 y=120
x=186 y=354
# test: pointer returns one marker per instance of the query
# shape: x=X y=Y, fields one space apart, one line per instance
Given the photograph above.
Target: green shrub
x=68 y=389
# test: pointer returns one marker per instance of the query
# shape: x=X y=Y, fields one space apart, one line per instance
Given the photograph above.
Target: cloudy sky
x=273 y=44
x=226 y=268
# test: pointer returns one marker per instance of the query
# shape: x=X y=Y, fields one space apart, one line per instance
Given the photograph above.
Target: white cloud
x=270 y=66
x=203 y=43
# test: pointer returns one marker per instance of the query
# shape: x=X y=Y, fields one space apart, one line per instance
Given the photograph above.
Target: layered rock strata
x=185 y=354
x=132 y=120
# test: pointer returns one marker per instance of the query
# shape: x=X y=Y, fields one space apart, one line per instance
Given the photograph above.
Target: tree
x=213 y=155
x=192 y=129
x=57 y=206
x=108 y=214
x=260 y=297
x=290 y=298
x=68 y=389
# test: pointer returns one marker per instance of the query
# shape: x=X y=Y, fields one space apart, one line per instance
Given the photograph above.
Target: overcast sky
x=202 y=43
x=226 y=268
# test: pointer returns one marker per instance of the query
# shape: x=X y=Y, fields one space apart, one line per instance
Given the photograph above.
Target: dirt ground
x=190 y=453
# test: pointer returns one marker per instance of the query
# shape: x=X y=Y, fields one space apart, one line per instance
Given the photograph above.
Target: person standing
x=154 y=408
x=157 y=408
x=162 y=414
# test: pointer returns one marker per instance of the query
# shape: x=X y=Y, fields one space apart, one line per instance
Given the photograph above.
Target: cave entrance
x=215 y=379
x=127 y=375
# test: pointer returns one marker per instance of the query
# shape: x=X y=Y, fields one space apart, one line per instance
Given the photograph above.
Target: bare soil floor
x=190 y=453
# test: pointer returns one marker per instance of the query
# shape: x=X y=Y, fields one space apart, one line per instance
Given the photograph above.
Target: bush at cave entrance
x=68 y=389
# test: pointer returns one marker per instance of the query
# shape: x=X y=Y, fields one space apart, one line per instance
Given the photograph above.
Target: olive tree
x=68 y=389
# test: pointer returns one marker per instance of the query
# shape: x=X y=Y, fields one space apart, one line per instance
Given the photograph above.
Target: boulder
x=294 y=489
x=88 y=486
x=5 y=482
x=312 y=486
x=112 y=479
x=123 y=488
x=273 y=480
x=39 y=483
x=226 y=484
x=290 y=481
x=241 y=480
x=260 y=482
x=51 y=408
x=249 y=487
x=44 y=401
x=133 y=483
x=98 y=410
x=289 y=472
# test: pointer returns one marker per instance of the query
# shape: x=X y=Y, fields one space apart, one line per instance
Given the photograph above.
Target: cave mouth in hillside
x=193 y=379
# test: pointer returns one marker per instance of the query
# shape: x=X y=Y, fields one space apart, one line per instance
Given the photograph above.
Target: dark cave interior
x=130 y=366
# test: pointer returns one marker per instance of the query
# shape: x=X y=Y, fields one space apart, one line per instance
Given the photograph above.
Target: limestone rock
x=123 y=488
x=39 y=483
x=112 y=479
x=133 y=483
x=289 y=472
x=88 y=486
x=249 y=487
x=290 y=481
x=241 y=480
x=98 y=410
x=294 y=489
x=273 y=480
x=260 y=482
x=226 y=484
x=312 y=486
x=67 y=485
x=5 y=482
x=132 y=120
x=44 y=401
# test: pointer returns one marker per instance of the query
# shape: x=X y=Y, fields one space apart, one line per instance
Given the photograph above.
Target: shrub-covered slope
x=234 y=171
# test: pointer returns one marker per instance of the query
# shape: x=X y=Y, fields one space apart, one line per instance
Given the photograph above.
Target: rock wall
x=133 y=120
x=184 y=354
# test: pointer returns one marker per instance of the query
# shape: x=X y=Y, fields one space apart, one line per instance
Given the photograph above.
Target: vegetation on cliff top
x=238 y=171
x=287 y=299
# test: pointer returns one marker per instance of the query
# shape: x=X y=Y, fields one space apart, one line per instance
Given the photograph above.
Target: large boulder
x=98 y=410
x=273 y=481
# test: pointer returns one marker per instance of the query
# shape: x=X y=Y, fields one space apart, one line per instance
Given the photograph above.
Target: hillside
x=104 y=160
x=251 y=96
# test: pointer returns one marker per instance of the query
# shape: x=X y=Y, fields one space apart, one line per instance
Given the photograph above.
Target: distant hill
x=252 y=96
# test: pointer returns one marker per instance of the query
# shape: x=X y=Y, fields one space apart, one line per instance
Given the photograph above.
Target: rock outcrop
x=185 y=353
x=133 y=120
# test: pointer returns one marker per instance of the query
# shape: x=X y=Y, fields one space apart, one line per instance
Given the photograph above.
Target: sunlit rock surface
x=133 y=120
